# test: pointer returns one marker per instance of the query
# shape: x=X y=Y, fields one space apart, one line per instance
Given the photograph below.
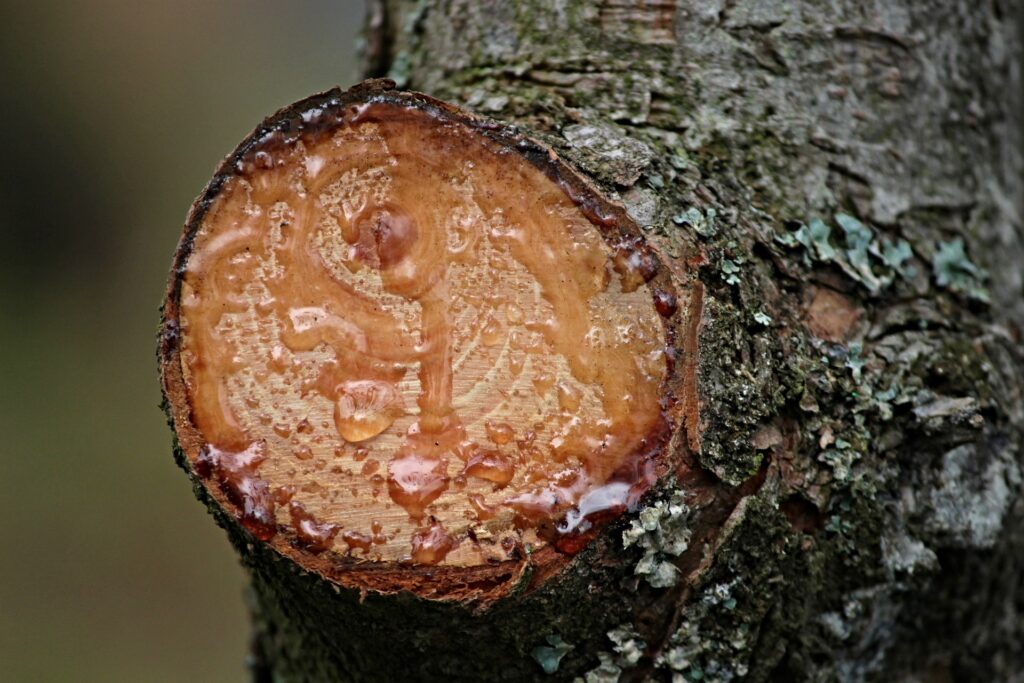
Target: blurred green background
x=114 y=115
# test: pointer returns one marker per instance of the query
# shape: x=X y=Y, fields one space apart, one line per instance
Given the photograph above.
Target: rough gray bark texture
x=845 y=178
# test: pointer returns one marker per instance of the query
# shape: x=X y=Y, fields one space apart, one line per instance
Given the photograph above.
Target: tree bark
x=842 y=185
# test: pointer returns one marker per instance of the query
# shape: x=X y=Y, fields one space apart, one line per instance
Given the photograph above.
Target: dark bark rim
x=483 y=584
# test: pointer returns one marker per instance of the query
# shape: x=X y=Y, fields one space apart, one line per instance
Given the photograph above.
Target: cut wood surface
x=404 y=336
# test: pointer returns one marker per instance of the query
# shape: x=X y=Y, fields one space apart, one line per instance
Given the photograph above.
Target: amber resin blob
x=399 y=334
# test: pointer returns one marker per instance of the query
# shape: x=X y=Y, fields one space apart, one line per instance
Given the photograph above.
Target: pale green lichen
x=882 y=401
x=841 y=460
x=854 y=361
x=702 y=223
x=607 y=671
x=956 y=272
x=550 y=656
x=814 y=237
x=896 y=255
x=730 y=268
x=863 y=249
x=628 y=645
x=680 y=159
x=662 y=531
x=694 y=656
x=628 y=648
x=858 y=240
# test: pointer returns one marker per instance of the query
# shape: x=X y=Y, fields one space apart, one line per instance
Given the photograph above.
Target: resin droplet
x=310 y=533
x=366 y=408
x=515 y=364
x=543 y=382
x=431 y=545
x=284 y=494
x=535 y=505
x=568 y=397
x=480 y=506
x=665 y=303
x=499 y=432
x=513 y=314
x=356 y=540
x=491 y=466
x=236 y=475
x=395 y=236
x=415 y=481
x=634 y=265
x=490 y=335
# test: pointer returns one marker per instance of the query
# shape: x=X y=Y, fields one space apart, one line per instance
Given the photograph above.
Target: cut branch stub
x=398 y=335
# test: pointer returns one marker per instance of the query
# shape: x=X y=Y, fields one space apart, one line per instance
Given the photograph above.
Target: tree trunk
x=840 y=188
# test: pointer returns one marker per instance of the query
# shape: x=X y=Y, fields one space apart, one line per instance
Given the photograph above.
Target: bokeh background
x=114 y=114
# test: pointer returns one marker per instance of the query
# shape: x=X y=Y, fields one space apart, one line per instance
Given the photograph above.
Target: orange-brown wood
x=397 y=336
